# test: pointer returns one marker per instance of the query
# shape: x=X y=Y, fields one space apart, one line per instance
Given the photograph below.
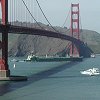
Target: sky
x=57 y=10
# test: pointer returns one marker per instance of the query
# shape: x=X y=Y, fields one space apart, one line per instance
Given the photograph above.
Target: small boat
x=14 y=66
x=92 y=55
x=91 y=72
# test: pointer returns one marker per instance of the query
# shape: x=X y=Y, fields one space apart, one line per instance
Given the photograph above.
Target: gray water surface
x=53 y=81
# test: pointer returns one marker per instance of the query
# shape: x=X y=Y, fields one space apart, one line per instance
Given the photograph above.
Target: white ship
x=91 y=72
x=92 y=55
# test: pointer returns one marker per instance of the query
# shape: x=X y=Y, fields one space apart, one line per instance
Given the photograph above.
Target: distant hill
x=92 y=38
x=22 y=45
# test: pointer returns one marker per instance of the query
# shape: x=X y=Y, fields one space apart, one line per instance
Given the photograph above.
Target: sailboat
x=14 y=65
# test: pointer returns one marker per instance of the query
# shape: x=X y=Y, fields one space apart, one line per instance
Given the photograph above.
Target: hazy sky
x=57 y=11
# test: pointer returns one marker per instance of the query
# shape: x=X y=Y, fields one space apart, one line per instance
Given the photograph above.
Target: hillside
x=92 y=38
x=22 y=45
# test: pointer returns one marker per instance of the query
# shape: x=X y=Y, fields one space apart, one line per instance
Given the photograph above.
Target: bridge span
x=5 y=28
x=83 y=49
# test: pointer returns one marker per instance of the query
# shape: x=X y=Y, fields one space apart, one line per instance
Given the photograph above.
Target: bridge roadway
x=83 y=49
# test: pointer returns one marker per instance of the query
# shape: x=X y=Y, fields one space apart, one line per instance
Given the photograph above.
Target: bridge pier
x=4 y=68
x=74 y=30
x=4 y=73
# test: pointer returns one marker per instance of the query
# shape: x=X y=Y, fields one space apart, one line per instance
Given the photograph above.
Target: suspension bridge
x=11 y=13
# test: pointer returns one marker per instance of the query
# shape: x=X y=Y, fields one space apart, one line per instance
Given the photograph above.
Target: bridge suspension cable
x=66 y=18
x=31 y=14
x=80 y=23
x=66 y=21
x=45 y=16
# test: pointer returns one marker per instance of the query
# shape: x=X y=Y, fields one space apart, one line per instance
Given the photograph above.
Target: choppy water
x=62 y=81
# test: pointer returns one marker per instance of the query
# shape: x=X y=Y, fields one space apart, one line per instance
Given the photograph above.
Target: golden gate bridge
x=11 y=13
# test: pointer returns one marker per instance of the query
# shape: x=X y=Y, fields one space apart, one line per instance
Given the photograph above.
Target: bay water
x=52 y=81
